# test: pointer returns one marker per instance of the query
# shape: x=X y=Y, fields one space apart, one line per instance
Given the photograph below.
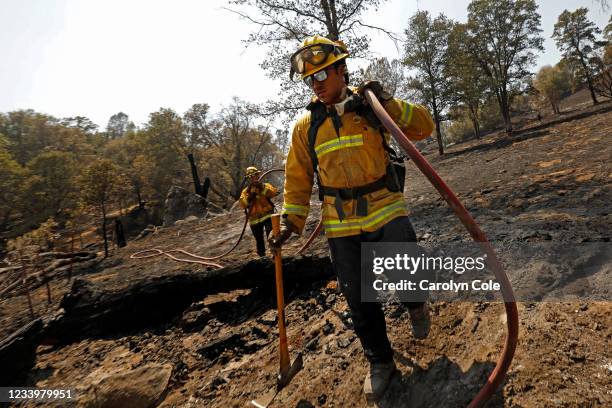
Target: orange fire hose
x=497 y=375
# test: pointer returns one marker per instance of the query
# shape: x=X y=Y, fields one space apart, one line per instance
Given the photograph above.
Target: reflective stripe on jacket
x=354 y=158
x=261 y=209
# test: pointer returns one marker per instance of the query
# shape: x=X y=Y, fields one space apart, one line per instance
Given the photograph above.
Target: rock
x=258 y=332
x=328 y=328
x=425 y=236
x=181 y=204
x=304 y=404
x=312 y=344
x=219 y=346
x=138 y=388
x=148 y=230
x=330 y=299
x=195 y=319
x=344 y=343
x=268 y=319
x=217 y=382
x=187 y=220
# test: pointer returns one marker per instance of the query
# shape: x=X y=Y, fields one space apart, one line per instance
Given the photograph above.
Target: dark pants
x=368 y=317
x=258 y=233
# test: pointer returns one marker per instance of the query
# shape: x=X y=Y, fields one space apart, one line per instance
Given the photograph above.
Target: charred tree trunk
x=194 y=175
x=437 y=119
x=104 y=235
x=139 y=198
x=90 y=310
x=589 y=78
x=474 y=119
x=205 y=187
x=119 y=234
x=18 y=353
x=504 y=107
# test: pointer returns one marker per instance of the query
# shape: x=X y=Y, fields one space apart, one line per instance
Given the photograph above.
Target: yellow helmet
x=317 y=52
x=252 y=171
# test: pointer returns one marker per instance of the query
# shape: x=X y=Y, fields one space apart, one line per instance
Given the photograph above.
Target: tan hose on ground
x=200 y=259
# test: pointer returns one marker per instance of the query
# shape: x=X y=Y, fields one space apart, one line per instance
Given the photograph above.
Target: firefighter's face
x=330 y=90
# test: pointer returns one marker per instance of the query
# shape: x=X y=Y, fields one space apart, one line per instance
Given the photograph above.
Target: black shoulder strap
x=367 y=112
x=318 y=114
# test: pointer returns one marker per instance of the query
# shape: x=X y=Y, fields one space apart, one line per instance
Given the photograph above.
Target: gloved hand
x=377 y=88
x=276 y=242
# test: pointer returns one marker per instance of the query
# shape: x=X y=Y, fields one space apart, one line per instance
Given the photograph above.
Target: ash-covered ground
x=549 y=183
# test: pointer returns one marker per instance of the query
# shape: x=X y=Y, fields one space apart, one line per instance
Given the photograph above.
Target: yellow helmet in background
x=252 y=171
x=316 y=52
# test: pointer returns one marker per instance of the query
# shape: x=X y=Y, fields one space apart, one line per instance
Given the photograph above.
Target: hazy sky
x=95 y=58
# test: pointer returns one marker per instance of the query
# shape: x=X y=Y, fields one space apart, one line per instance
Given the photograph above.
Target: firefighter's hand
x=377 y=88
x=277 y=242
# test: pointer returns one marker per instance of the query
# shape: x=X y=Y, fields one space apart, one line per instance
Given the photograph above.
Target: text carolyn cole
x=414 y=263
x=406 y=285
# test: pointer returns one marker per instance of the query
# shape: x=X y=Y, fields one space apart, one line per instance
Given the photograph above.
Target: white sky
x=95 y=58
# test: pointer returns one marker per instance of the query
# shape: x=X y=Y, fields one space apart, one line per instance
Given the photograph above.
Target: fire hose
x=497 y=375
x=202 y=260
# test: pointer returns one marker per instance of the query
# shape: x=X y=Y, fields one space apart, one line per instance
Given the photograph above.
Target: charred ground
x=548 y=182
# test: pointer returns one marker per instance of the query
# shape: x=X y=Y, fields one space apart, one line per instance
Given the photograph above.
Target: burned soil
x=200 y=345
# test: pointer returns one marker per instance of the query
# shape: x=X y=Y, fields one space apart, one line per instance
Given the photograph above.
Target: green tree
x=391 y=74
x=575 y=34
x=281 y=27
x=426 y=50
x=603 y=64
x=98 y=184
x=117 y=126
x=469 y=84
x=50 y=187
x=505 y=34
x=80 y=122
x=236 y=143
x=553 y=83
x=166 y=149
x=129 y=153
x=603 y=78
x=28 y=133
x=11 y=186
x=196 y=127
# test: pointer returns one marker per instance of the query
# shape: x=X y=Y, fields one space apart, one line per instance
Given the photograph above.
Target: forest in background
x=474 y=77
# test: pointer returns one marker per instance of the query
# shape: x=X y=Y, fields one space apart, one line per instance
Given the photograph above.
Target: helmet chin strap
x=343 y=96
x=349 y=103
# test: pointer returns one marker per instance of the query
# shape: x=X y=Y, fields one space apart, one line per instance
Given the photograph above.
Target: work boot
x=377 y=380
x=419 y=317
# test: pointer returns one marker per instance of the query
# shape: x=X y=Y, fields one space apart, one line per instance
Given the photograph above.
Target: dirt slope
x=549 y=184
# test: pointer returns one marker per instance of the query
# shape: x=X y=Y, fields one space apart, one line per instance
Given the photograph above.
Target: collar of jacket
x=348 y=91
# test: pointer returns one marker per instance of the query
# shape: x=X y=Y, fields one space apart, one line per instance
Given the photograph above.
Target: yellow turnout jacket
x=261 y=209
x=354 y=158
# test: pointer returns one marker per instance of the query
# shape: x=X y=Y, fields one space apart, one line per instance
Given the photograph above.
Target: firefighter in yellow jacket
x=340 y=144
x=256 y=198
